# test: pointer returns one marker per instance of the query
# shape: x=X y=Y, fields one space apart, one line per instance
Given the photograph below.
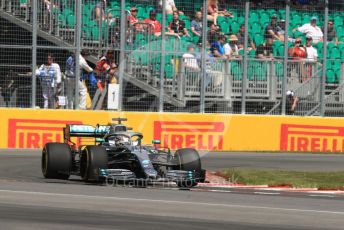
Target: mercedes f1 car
x=116 y=153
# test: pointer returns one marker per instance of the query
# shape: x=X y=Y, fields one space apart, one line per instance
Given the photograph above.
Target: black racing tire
x=92 y=159
x=56 y=161
x=189 y=160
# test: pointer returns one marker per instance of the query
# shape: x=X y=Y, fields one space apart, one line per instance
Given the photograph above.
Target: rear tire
x=56 y=161
x=188 y=160
x=92 y=159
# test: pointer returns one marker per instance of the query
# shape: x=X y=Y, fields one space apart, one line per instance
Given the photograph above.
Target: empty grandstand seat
x=235 y=27
x=334 y=53
x=331 y=77
x=236 y=70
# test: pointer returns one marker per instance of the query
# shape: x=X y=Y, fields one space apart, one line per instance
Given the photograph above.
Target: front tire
x=56 y=161
x=188 y=160
x=92 y=159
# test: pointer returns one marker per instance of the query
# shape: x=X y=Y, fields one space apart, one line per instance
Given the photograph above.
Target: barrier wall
x=22 y=128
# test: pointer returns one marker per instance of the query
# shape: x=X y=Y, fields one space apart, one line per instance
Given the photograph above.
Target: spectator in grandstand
x=177 y=26
x=106 y=70
x=298 y=51
x=86 y=74
x=264 y=51
x=312 y=53
x=155 y=24
x=190 y=60
x=196 y=25
x=170 y=7
x=50 y=77
x=214 y=12
x=331 y=33
x=241 y=39
x=291 y=102
x=213 y=34
x=132 y=18
x=98 y=12
x=231 y=48
x=281 y=30
x=311 y=29
x=217 y=48
x=271 y=29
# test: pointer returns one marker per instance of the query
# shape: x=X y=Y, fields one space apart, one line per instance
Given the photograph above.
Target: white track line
x=171 y=202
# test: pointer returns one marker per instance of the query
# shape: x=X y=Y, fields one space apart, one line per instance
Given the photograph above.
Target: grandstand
x=145 y=57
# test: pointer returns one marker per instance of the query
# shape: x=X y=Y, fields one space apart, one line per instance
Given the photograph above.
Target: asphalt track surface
x=27 y=201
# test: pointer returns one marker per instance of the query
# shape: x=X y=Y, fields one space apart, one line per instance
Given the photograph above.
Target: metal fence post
x=323 y=76
x=203 y=56
x=78 y=27
x=34 y=52
x=285 y=58
x=122 y=56
x=162 y=67
x=244 y=77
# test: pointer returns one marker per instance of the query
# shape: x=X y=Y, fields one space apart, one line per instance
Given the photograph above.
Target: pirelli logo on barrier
x=198 y=135
x=309 y=138
x=30 y=133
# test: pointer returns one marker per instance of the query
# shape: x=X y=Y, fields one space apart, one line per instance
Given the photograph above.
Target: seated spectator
x=196 y=24
x=132 y=18
x=217 y=48
x=177 y=26
x=98 y=12
x=170 y=7
x=264 y=51
x=190 y=60
x=231 y=48
x=312 y=53
x=241 y=39
x=291 y=102
x=213 y=34
x=271 y=29
x=281 y=30
x=331 y=32
x=312 y=30
x=213 y=11
x=155 y=24
x=298 y=51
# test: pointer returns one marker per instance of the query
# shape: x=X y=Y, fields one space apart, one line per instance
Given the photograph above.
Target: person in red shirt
x=155 y=27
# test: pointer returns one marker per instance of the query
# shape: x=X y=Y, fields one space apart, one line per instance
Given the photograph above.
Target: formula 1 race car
x=117 y=154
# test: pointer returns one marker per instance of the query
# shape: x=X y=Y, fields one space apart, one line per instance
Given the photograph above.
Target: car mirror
x=156 y=142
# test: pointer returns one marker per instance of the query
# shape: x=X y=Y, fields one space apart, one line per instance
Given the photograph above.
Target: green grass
x=320 y=180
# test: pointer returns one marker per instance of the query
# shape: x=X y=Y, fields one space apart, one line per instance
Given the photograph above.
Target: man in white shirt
x=50 y=79
x=312 y=53
x=312 y=30
x=190 y=60
x=170 y=6
x=231 y=48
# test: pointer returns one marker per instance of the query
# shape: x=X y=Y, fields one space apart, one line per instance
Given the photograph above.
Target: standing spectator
x=190 y=60
x=271 y=29
x=132 y=18
x=106 y=70
x=213 y=11
x=155 y=24
x=264 y=51
x=170 y=7
x=98 y=12
x=231 y=48
x=241 y=39
x=50 y=76
x=217 y=48
x=312 y=30
x=291 y=102
x=213 y=34
x=298 y=51
x=312 y=53
x=177 y=26
x=312 y=56
x=331 y=33
x=196 y=26
x=86 y=73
